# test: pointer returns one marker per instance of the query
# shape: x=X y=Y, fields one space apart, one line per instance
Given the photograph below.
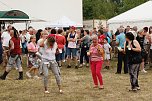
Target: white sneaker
x=143 y=71
x=28 y=74
x=80 y=66
x=61 y=92
x=36 y=77
x=87 y=65
x=47 y=92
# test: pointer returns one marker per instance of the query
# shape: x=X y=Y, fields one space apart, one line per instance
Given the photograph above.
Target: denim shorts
x=72 y=51
x=59 y=57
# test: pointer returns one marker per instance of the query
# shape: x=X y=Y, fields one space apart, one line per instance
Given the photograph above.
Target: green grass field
x=77 y=86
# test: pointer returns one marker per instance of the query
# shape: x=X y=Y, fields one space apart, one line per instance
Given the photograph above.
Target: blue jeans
x=71 y=51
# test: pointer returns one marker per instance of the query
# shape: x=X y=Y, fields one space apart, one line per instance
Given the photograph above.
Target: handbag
x=135 y=58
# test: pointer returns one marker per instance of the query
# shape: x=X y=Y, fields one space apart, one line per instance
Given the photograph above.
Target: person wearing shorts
x=14 y=58
x=72 y=50
x=107 y=49
x=32 y=58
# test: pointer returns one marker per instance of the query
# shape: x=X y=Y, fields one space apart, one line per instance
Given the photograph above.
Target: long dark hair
x=16 y=34
x=38 y=34
x=87 y=31
x=130 y=36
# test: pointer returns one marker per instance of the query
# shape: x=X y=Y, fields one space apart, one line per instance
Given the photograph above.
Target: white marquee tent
x=140 y=16
x=62 y=22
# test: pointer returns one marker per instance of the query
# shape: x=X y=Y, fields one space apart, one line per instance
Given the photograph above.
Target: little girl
x=107 y=49
x=32 y=58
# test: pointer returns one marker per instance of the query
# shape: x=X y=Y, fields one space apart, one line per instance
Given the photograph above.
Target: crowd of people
x=49 y=48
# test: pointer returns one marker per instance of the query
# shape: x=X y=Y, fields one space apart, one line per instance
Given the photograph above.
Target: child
x=33 y=63
x=107 y=49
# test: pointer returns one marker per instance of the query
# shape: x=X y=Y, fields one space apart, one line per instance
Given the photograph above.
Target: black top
x=131 y=53
x=141 y=39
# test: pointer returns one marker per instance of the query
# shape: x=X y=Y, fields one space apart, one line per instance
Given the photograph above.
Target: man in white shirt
x=5 y=43
x=6 y=37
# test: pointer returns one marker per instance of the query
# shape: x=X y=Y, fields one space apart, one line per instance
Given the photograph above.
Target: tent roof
x=63 y=22
x=13 y=14
x=139 y=13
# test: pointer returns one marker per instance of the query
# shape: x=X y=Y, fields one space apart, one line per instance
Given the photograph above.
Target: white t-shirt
x=27 y=37
x=72 y=44
x=49 y=54
x=41 y=49
x=22 y=37
x=107 y=48
x=134 y=33
x=5 y=39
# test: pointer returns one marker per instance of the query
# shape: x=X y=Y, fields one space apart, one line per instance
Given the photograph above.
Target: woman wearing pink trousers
x=96 y=53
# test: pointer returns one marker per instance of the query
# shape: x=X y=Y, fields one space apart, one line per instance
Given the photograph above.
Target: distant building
x=90 y=24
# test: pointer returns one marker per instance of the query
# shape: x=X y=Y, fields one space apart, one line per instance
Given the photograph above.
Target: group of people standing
x=134 y=48
x=49 y=48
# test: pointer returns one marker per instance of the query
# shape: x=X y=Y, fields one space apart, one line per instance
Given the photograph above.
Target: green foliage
x=105 y=9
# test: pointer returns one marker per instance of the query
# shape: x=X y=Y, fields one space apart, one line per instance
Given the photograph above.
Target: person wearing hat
x=72 y=39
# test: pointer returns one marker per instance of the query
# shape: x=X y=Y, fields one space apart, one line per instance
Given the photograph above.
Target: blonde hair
x=32 y=37
x=94 y=37
x=44 y=32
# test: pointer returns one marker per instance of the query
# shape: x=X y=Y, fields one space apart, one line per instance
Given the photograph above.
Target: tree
x=105 y=9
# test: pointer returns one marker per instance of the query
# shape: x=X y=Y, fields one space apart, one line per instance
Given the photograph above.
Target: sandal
x=101 y=87
x=96 y=86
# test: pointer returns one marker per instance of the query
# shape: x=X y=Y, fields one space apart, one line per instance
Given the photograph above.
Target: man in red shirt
x=60 y=40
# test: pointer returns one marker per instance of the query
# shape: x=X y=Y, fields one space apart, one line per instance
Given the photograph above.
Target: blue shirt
x=121 y=39
x=108 y=36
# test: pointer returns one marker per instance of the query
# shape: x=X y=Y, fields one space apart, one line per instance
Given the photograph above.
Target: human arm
x=11 y=45
x=110 y=49
x=68 y=38
x=41 y=43
x=137 y=46
x=117 y=40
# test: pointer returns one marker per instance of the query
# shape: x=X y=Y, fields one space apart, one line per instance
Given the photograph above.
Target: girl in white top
x=107 y=49
x=48 y=61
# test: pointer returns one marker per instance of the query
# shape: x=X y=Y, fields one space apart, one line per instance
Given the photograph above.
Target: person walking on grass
x=96 y=53
x=107 y=50
x=133 y=51
x=15 y=52
x=48 y=61
x=5 y=37
x=32 y=58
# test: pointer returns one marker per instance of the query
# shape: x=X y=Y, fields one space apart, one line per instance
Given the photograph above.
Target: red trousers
x=96 y=67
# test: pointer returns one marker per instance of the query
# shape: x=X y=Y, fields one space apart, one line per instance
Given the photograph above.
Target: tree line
x=105 y=9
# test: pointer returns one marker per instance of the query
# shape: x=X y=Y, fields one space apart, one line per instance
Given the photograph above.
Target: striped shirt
x=95 y=56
